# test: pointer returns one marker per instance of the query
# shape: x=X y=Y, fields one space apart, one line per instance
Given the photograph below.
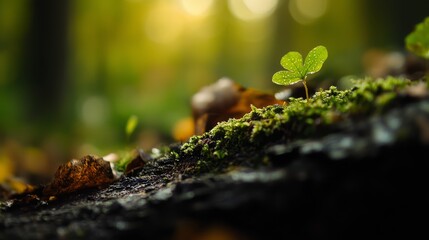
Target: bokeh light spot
x=197 y=7
x=248 y=10
x=307 y=11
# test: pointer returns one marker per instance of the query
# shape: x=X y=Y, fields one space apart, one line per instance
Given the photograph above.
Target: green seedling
x=418 y=41
x=296 y=71
x=131 y=125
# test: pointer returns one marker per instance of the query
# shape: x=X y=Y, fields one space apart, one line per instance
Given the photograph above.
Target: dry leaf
x=138 y=162
x=223 y=100
x=87 y=172
x=219 y=102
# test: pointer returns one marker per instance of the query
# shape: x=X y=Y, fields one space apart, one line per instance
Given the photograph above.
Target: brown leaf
x=87 y=172
x=139 y=161
x=223 y=100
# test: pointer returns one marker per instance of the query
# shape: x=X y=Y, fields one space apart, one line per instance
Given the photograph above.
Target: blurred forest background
x=72 y=72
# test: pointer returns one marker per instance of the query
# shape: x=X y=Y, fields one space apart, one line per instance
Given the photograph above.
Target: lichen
x=296 y=119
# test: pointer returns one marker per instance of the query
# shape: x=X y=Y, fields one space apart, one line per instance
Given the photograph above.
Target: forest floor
x=351 y=165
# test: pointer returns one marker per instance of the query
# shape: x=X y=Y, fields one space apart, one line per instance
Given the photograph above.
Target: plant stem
x=306 y=89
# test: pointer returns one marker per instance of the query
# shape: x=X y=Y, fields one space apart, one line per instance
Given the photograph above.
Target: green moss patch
x=296 y=119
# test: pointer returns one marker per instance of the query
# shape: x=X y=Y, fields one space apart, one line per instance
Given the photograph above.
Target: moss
x=294 y=120
x=124 y=160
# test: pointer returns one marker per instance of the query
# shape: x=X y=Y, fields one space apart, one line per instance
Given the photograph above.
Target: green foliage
x=418 y=41
x=296 y=70
x=131 y=125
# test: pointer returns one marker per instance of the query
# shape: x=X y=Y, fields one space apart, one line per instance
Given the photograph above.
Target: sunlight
x=164 y=23
x=197 y=7
x=248 y=10
x=307 y=11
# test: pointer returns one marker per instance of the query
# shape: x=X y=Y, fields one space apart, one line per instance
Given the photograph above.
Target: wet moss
x=296 y=119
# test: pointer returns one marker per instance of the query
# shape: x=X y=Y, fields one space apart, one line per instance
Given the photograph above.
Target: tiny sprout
x=131 y=125
x=296 y=70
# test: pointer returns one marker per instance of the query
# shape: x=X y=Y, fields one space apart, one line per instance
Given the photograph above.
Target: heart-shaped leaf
x=286 y=77
x=292 y=61
x=295 y=69
x=315 y=59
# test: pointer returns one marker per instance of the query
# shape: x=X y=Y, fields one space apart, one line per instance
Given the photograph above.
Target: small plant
x=418 y=41
x=296 y=70
x=131 y=125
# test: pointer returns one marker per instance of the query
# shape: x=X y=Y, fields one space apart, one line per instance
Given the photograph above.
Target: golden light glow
x=164 y=23
x=248 y=10
x=197 y=7
x=307 y=11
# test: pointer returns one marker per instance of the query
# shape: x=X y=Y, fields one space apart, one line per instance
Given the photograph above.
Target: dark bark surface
x=365 y=179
